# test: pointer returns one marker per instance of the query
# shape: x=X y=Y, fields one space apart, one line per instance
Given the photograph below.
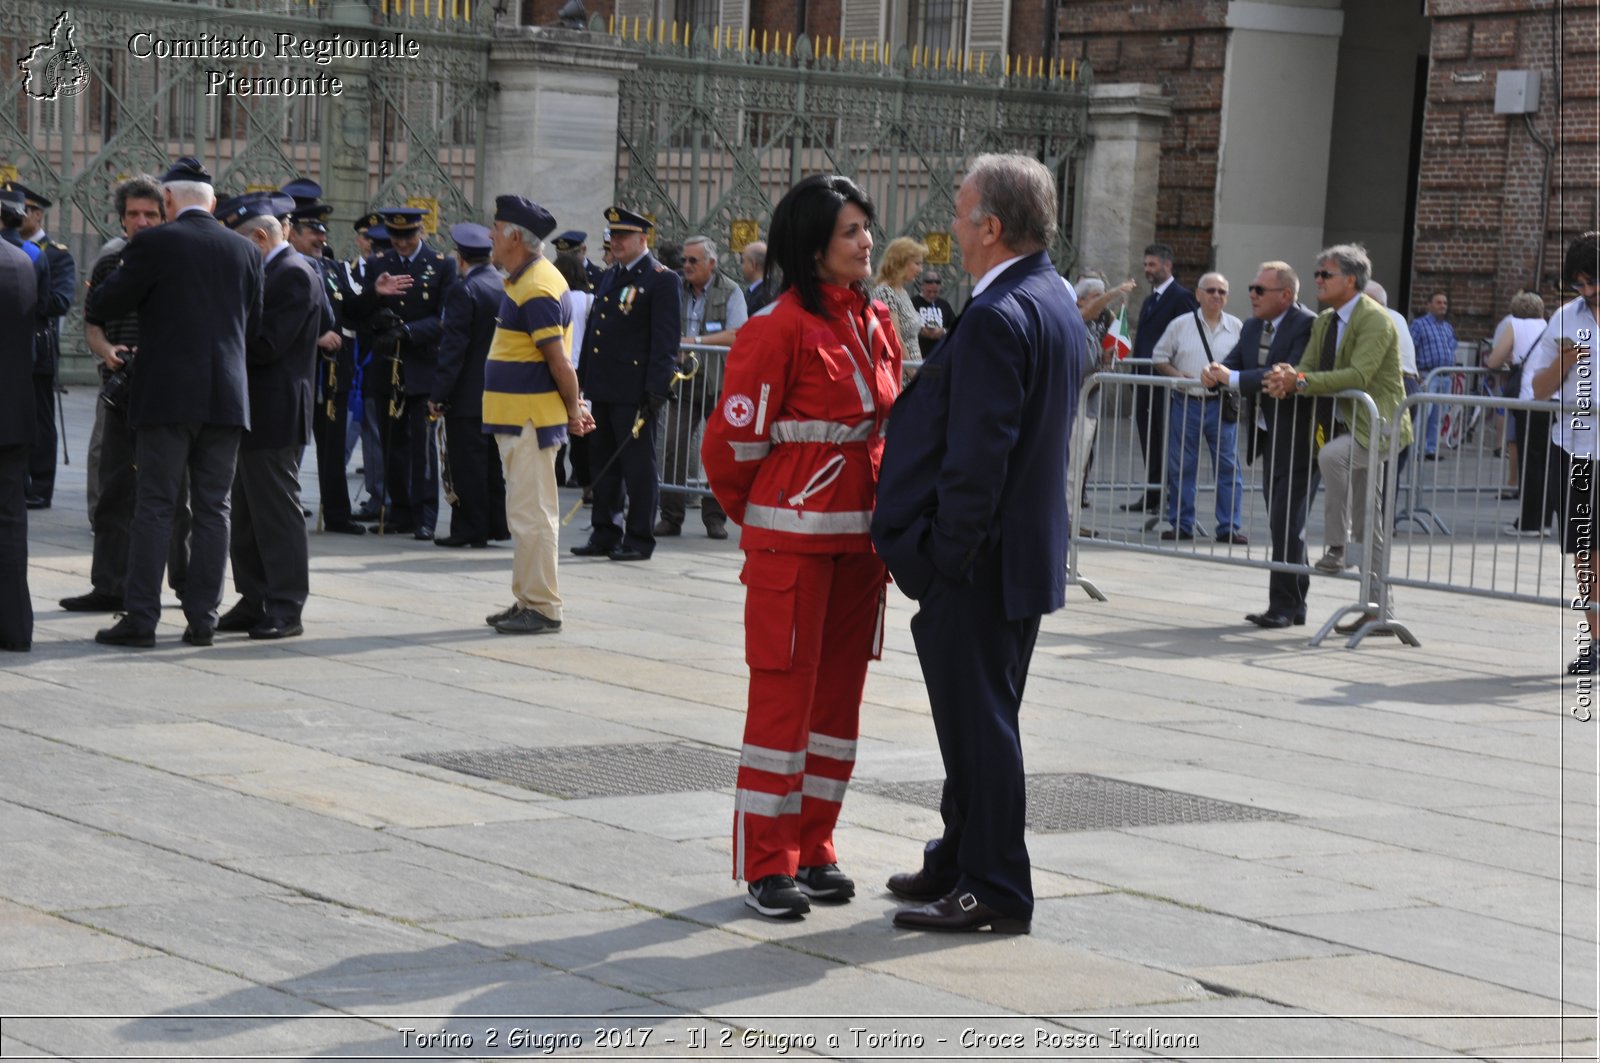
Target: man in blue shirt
x=1435 y=341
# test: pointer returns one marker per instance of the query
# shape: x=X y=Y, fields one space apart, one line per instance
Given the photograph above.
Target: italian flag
x=1116 y=337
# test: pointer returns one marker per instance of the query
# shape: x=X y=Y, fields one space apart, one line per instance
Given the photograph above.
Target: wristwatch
x=1299 y=381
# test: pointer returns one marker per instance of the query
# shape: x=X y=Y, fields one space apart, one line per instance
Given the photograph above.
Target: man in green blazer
x=1353 y=346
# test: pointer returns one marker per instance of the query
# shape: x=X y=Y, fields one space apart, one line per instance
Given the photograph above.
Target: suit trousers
x=475 y=472
x=374 y=416
x=16 y=607
x=1288 y=482
x=634 y=470
x=680 y=459
x=810 y=622
x=91 y=461
x=271 y=553
x=533 y=512
x=42 y=456
x=164 y=453
x=112 y=520
x=411 y=466
x=330 y=436
x=1343 y=462
x=975 y=662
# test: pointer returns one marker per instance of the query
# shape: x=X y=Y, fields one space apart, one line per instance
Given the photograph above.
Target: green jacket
x=1368 y=359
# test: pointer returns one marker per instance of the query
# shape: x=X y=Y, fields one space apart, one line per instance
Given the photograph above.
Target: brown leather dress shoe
x=921 y=885
x=960 y=913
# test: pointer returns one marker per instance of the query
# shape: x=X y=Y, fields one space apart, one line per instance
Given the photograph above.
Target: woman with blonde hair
x=902 y=262
x=1526 y=444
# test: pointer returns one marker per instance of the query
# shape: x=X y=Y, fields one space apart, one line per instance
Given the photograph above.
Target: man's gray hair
x=705 y=242
x=1089 y=286
x=1376 y=292
x=756 y=251
x=530 y=241
x=1019 y=193
x=264 y=223
x=191 y=193
x=1287 y=277
x=1352 y=261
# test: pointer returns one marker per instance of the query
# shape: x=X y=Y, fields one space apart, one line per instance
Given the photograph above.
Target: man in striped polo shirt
x=530 y=404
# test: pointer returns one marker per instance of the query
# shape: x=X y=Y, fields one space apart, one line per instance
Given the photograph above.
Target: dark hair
x=1161 y=251
x=139 y=186
x=802 y=227
x=570 y=266
x=1436 y=293
x=670 y=254
x=1583 y=259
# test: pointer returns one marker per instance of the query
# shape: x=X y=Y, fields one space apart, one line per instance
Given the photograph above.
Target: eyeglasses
x=1257 y=289
x=1215 y=291
x=935 y=281
x=688 y=261
x=1323 y=274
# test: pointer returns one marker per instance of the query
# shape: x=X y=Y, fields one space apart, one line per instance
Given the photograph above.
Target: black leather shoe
x=197 y=637
x=592 y=550
x=240 y=618
x=1271 y=619
x=277 y=629
x=93 y=602
x=960 y=913
x=1136 y=506
x=351 y=528
x=627 y=553
x=125 y=632
x=423 y=534
x=1174 y=535
x=392 y=528
x=1236 y=538
x=38 y=503
x=461 y=540
x=921 y=885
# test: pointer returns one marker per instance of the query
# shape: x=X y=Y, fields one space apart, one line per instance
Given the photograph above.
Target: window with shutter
x=863 y=20
x=629 y=10
x=987 y=23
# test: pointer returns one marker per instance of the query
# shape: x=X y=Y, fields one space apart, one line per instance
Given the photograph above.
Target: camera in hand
x=114 y=392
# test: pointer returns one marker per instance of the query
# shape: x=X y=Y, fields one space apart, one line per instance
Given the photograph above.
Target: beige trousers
x=533 y=516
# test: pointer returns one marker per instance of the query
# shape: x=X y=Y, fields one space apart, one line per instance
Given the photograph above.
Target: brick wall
x=1180 y=45
x=1480 y=208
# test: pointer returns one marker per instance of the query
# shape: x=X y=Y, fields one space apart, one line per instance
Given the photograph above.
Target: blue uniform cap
x=12 y=203
x=520 y=210
x=378 y=234
x=472 y=238
x=187 y=168
x=571 y=240
x=400 y=220
x=29 y=196
x=365 y=223
x=621 y=220
x=304 y=191
x=241 y=209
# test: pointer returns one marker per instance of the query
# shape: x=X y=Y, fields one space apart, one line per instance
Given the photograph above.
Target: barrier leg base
x=1089 y=588
x=1376 y=626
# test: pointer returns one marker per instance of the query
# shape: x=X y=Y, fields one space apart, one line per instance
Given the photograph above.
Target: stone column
x=1121 y=171
x=552 y=125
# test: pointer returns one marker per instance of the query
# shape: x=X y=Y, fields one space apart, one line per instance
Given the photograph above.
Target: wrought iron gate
x=399 y=130
x=712 y=132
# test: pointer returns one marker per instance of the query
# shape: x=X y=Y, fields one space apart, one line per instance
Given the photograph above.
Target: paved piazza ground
x=1247 y=848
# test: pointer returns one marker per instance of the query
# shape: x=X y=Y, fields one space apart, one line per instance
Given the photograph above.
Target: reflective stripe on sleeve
x=750 y=451
x=798 y=522
x=820 y=432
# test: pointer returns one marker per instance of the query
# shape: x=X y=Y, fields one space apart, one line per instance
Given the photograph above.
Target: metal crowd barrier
x=1455 y=430
x=679 y=431
x=1109 y=471
x=1490 y=544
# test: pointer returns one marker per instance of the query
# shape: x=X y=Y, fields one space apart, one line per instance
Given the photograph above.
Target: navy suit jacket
x=976 y=456
x=432 y=273
x=282 y=354
x=196 y=287
x=470 y=308
x=1288 y=420
x=19 y=299
x=630 y=342
x=1154 y=317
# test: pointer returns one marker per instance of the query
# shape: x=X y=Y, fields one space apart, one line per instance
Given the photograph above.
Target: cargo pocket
x=769 y=610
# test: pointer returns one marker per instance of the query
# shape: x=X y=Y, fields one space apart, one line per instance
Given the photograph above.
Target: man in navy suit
x=470 y=309
x=1167 y=300
x=630 y=346
x=1276 y=332
x=19 y=299
x=271 y=556
x=197 y=290
x=972 y=521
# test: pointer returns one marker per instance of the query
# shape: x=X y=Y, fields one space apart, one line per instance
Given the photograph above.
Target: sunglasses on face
x=692 y=261
x=1323 y=274
x=1215 y=291
x=1257 y=289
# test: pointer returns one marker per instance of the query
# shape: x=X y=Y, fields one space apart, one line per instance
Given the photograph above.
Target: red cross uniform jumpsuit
x=792 y=454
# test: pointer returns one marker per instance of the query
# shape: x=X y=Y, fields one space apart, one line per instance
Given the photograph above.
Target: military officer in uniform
x=411 y=281
x=46 y=345
x=371 y=239
x=629 y=347
x=18 y=299
x=470 y=307
x=575 y=241
x=267 y=544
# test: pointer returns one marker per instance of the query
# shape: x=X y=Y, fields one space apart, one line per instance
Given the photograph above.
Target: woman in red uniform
x=792 y=454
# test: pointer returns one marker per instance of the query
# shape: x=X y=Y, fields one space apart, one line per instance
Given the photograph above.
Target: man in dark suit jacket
x=46 y=344
x=972 y=521
x=1167 y=300
x=630 y=347
x=271 y=557
x=197 y=290
x=479 y=512
x=411 y=280
x=1276 y=332
x=19 y=296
